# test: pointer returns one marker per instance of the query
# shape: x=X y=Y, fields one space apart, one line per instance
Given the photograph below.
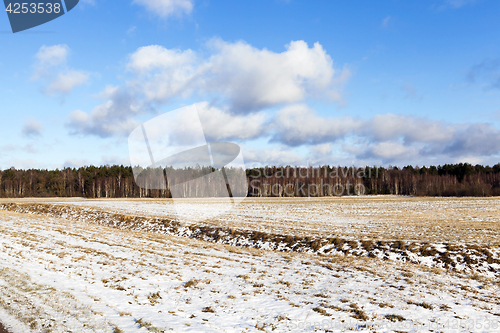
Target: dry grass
x=381 y=217
x=381 y=225
x=404 y=278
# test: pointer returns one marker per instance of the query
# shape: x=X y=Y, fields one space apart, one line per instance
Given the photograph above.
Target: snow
x=11 y=323
x=275 y=231
x=62 y=275
x=419 y=219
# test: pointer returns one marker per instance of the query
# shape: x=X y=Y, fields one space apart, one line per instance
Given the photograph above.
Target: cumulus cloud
x=390 y=126
x=244 y=83
x=32 y=128
x=298 y=124
x=50 y=56
x=322 y=149
x=253 y=78
x=475 y=140
x=390 y=151
x=385 y=138
x=51 y=68
x=242 y=79
x=162 y=73
x=66 y=82
x=166 y=8
x=220 y=125
x=248 y=78
x=434 y=140
x=112 y=117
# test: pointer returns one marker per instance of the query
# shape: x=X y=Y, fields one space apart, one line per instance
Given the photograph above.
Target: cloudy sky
x=292 y=82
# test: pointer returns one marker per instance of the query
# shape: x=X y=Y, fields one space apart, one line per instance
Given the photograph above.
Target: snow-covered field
x=462 y=234
x=408 y=218
x=60 y=275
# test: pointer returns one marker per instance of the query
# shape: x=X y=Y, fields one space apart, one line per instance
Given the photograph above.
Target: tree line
x=461 y=179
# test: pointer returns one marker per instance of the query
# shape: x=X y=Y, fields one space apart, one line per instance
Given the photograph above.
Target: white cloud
x=241 y=78
x=298 y=124
x=223 y=126
x=390 y=126
x=391 y=151
x=162 y=73
x=249 y=78
x=257 y=78
x=385 y=137
x=152 y=57
x=245 y=82
x=97 y=123
x=32 y=128
x=66 y=82
x=51 y=68
x=320 y=154
x=112 y=117
x=419 y=139
x=166 y=8
x=475 y=140
x=52 y=55
x=324 y=149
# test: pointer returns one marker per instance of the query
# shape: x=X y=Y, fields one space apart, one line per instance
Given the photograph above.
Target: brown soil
x=3 y=329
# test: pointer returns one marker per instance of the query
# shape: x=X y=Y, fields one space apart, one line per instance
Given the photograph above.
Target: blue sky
x=292 y=82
